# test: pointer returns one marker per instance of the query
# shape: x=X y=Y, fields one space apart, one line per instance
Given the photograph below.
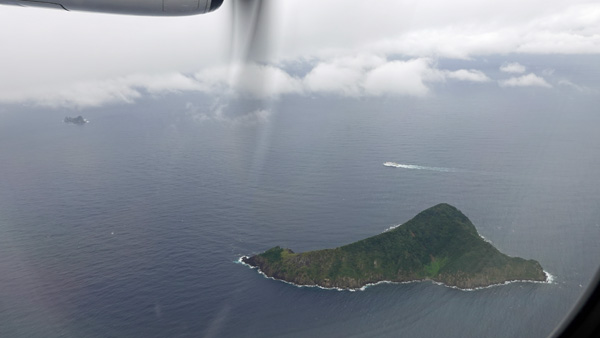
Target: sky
x=352 y=49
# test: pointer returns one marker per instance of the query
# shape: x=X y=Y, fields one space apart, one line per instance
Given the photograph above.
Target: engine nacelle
x=131 y=7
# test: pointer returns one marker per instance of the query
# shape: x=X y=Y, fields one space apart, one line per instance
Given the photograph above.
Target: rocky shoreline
x=439 y=245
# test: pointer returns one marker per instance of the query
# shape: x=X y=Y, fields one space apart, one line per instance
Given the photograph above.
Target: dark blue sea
x=131 y=225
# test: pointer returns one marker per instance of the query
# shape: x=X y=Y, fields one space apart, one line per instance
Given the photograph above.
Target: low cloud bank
x=513 y=67
x=359 y=76
x=472 y=75
x=529 y=80
x=125 y=89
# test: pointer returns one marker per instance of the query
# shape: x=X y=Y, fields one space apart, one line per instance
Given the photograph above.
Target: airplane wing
x=131 y=7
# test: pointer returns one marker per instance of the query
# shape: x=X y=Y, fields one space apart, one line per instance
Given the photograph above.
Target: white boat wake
x=418 y=167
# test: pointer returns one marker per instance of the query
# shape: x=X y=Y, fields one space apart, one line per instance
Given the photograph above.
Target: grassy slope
x=440 y=244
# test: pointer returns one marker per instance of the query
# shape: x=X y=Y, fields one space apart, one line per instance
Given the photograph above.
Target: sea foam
x=419 y=167
x=392 y=227
x=549 y=280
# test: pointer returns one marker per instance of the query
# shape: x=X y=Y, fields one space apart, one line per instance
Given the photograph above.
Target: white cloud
x=513 y=67
x=452 y=42
x=398 y=78
x=96 y=93
x=529 y=80
x=358 y=76
x=265 y=82
x=580 y=88
x=437 y=28
x=472 y=75
x=253 y=80
x=331 y=78
x=573 y=29
x=95 y=55
x=363 y=75
x=342 y=76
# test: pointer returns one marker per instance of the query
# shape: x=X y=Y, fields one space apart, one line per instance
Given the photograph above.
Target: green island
x=439 y=244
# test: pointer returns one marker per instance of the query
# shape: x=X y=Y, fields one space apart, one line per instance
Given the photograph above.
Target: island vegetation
x=439 y=244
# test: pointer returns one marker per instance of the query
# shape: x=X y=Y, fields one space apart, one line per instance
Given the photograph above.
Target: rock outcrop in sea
x=76 y=120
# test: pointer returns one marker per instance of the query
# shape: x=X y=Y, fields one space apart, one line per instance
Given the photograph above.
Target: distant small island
x=76 y=120
x=439 y=244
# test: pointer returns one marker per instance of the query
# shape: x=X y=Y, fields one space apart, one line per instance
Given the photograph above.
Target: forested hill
x=439 y=244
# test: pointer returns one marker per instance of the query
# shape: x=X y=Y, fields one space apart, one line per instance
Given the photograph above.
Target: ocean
x=132 y=225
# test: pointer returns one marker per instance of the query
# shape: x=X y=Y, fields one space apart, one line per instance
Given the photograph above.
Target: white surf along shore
x=549 y=280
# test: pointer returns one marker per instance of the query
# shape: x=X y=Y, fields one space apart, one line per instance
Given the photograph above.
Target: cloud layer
x=361 y=76
x=513 y=67
x=529 y=80
x=365 y=75
x=83 y=59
